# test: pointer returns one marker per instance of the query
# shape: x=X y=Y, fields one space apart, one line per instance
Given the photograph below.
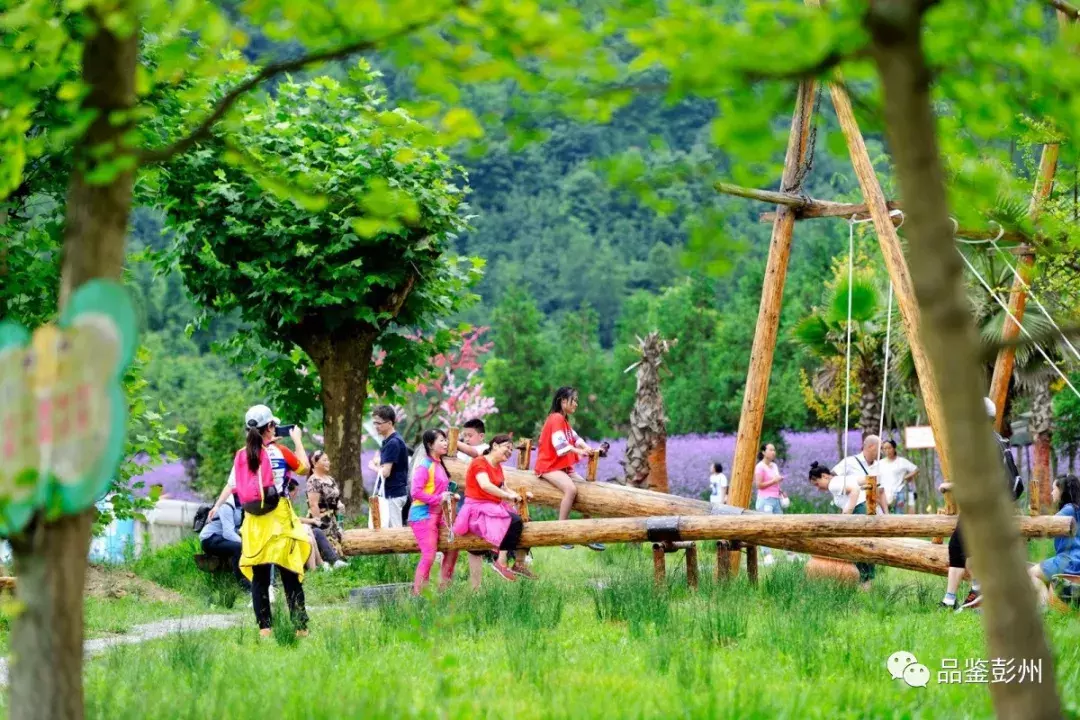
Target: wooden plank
x=768 y=320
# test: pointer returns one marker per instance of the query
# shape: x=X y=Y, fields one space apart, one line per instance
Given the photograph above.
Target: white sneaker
x=340 y=564
x=769 y=560
x=327 y=567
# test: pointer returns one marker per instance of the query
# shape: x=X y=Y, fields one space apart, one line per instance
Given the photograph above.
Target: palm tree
x=824 y=333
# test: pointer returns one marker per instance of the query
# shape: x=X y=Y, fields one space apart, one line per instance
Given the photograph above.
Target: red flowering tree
x=448 y=393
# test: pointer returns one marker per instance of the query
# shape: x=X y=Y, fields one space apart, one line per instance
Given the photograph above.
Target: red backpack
x=256 y=492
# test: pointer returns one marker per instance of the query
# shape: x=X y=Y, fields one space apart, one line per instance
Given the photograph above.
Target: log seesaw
x=636 y=515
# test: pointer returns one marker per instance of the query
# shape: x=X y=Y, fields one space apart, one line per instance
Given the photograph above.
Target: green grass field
x=592 y=638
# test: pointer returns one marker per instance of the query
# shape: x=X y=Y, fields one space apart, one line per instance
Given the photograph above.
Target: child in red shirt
x=560 y=449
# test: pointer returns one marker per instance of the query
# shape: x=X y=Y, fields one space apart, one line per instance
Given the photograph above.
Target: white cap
x=991 y=408
x=260 y=416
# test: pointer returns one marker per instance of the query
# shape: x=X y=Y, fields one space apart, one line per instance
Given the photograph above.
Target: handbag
x=785 y=501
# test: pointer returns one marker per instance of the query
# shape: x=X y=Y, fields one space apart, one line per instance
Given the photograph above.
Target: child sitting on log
x=1066 y=560
x=485 y=512
x=559 y=450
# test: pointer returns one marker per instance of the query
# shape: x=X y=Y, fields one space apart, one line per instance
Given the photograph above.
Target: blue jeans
x=769 y=505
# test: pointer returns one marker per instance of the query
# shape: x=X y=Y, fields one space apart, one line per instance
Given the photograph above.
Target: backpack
x=201 y=516
x=252 y=487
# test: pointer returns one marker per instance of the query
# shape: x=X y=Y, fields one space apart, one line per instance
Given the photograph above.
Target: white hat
x=991 y=408
x=260 y=416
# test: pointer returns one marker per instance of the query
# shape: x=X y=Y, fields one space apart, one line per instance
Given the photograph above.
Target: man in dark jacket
x=957 y=555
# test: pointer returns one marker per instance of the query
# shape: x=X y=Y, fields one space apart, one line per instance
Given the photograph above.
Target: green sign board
x=63 y=414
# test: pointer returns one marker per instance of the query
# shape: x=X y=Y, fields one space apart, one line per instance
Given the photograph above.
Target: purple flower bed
x=689 y=459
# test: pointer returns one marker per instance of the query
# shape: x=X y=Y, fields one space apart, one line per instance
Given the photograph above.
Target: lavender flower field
x=689 y=459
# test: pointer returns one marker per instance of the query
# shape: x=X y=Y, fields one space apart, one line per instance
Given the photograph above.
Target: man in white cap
x=957 y=555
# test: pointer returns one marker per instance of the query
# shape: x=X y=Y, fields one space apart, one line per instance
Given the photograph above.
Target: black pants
x=326 y=550
x=866 y=570
x=513 y=533
x=218 y=546
x=957 y=556
x=294 y=594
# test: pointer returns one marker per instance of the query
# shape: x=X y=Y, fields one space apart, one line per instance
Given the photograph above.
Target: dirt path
x=151 y=631
x=163 y=628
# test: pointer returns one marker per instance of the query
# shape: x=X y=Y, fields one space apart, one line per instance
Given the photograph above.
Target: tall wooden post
x=768 y=321
x=1006 y=357
x=893 y=254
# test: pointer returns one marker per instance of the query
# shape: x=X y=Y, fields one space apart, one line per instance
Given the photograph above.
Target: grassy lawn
x=563 y=647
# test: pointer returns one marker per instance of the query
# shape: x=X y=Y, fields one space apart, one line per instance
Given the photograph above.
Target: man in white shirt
x=853 y=470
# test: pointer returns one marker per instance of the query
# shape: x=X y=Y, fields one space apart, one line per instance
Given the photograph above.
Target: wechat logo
x=902 y=665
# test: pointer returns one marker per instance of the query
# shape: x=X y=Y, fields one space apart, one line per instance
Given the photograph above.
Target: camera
x=283 y=430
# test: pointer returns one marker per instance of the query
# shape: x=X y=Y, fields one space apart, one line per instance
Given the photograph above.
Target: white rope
x=1023 y=329
x=885 y=375
x=847 y=366
x=1031 y=293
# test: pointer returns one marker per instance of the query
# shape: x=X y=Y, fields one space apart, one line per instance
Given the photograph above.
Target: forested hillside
x=576 y=267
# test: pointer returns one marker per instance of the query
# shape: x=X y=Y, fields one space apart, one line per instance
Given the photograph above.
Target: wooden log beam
x=895 y=262
x=1006 y=357
x=601 y=498
x=750 y=529
x=604 y=499
x=772 y=293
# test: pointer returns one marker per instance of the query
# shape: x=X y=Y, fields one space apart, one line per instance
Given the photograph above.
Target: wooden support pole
x=691 y=566
x=752 y=564
x=452 y=441
x=1006 y=357
x=895 y=263
x=772 y=293
x=373 y=510
x=871 y=495
x=723 y=560
x=524 y=454
x=594 y=466
x=659 y=568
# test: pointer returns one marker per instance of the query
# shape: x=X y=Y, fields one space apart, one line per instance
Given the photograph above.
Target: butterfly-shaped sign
x=63 y=415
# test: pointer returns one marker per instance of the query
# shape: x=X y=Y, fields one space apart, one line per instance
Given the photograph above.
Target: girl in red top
x=485 y=512
x=560 y=449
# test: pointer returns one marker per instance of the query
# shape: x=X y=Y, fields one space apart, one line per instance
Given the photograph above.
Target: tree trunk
x=1011 y=619
x=646 y=447
x=51 y=557
x=343 y=361
x=1042 y=433
x=870 y=377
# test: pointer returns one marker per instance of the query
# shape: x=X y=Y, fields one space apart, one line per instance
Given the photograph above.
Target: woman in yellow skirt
x=272 y=533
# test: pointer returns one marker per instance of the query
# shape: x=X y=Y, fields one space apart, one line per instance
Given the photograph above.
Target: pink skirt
x=489 y=520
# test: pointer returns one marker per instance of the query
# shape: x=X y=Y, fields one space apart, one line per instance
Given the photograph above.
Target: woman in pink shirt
x=767 y=479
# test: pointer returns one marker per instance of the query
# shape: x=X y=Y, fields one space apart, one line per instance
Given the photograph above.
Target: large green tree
x=75 y=93
x=352 y=267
